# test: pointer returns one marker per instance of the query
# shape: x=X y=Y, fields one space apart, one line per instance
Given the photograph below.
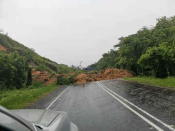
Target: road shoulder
x=44 y=101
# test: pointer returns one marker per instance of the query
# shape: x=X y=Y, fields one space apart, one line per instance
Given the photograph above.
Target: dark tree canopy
x=148 y=52
x=13 y=71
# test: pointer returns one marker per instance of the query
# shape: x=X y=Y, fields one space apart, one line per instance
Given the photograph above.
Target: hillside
x=34 y=60
x=149 y=52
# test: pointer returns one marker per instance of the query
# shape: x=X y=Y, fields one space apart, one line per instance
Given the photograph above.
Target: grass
x=21 y=98
x=166 y=82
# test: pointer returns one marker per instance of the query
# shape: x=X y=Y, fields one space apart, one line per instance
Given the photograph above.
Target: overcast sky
x=70 y=31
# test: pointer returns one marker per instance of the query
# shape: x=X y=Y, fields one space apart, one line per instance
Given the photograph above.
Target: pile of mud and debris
x=82 y=78
x=107 y=74
x=2 y=48
x=43 y=77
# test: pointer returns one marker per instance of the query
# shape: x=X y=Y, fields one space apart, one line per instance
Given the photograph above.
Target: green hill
x=149 y=52
x=34 y=60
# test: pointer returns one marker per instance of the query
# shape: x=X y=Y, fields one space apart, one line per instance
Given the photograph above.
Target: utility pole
x=80 y=65
x=1 y=31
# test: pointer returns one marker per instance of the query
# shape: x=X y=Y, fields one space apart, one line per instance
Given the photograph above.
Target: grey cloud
x=69 y=31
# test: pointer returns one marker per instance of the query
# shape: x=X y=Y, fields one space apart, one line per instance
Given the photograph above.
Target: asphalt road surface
x=101 y=106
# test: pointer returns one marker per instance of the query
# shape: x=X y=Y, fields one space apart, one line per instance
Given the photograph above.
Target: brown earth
x=43 y=77
x=2 y=48
x=107 y=74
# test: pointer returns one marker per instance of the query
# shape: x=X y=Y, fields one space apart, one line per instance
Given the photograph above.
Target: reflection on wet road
x=96 y=107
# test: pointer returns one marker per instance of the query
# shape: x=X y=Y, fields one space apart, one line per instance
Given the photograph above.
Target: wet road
x=96 y=107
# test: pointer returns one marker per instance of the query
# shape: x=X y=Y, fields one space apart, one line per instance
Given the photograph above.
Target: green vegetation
x=66 y=80
x=20 y=98
x=149 y=52
x=64 y=69
x=17 y=62
x=166 y=82
x=62 y=80
x=14 y=71
x=33 y=59
x=17 y=89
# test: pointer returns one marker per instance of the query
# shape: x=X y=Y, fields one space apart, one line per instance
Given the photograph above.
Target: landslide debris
x=80 y=78
x=2 y=48
x=107 y=74
x=43 y=77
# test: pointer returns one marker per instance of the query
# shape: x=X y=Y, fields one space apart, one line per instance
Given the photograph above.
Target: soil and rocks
x=44 y=77
x=82 y=78
x=2 y=48
x=107 y=74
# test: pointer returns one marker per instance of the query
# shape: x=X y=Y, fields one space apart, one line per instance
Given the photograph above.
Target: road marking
x=57 y=98
x=132 y=110
x=148 y=114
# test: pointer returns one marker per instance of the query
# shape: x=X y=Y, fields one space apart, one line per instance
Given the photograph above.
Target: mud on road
x=107 y=74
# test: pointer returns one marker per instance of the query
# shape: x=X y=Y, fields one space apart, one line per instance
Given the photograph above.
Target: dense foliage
x=148 y=52
x=14 y=71
x=17 y=62
x=66 y=80
x=64 y=69
x=33 y=59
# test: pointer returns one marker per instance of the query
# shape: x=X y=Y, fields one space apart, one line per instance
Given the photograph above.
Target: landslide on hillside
x=107 y=74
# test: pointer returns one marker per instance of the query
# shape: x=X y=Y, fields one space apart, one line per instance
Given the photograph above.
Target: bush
x=155 y=59
x=13 y=71
x=65 y=80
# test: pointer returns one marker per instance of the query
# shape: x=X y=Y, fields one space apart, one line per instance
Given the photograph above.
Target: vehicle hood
x=49 y=120
x=41 y=117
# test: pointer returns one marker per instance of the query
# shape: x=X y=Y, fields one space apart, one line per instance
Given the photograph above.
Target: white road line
x=132 y=110
x=57 y=98
x=148 y=114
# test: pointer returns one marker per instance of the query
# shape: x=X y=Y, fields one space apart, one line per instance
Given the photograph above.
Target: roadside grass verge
x=21 y=98
x=166 y=82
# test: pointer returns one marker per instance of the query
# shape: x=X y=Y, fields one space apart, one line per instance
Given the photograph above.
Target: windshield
x=88 y=65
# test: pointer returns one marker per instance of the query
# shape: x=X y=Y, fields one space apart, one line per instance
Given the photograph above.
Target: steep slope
x=35 y=61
